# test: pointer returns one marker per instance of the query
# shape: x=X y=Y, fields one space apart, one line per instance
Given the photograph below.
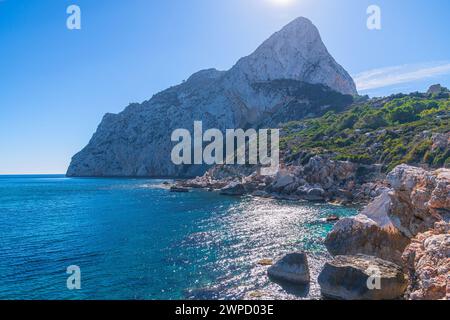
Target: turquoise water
x=133 y=239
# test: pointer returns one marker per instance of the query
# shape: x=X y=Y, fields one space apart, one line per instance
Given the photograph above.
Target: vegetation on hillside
x=388 y=131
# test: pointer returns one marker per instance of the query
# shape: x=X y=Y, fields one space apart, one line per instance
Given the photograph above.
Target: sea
x=133 y=239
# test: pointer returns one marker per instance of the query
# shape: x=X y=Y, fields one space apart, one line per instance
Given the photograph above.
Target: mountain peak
x=296 y=52
x=300 y=23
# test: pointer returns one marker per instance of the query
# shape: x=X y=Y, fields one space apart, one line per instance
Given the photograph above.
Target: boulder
x=315 y=194
x=355 y=278
x=292 y=268
x=370 y=233
x=282 y=180
x=427 y=259
x=233 y=189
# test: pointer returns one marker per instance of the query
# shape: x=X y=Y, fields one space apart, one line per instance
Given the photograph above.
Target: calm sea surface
x=133 y=239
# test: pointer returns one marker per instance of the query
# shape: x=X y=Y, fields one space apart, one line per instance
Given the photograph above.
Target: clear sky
x=56 y=84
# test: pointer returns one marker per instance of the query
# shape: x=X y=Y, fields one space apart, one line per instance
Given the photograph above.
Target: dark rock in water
x=362 y=278
x=332 y=218
x=179 y=189
x=292 y=268
x=233 y=189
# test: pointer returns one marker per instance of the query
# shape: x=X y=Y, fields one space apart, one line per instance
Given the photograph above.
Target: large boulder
x=428 y=261
x=355 y=278
x=370 y=233
x=292 y=268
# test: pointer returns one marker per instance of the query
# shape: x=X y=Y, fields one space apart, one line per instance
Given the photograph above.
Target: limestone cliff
x=280 y=74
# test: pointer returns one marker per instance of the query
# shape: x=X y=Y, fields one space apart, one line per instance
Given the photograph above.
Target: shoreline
x=402 y=211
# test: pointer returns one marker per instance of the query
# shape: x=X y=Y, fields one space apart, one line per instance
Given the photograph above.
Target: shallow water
x=133 y=239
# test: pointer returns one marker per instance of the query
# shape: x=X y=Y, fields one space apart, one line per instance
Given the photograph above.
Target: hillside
x=412 y=129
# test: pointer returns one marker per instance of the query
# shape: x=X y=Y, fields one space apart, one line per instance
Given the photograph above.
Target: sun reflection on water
x=257 y=229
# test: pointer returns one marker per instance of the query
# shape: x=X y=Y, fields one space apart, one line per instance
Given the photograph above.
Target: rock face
x=281 y=74
x=418 y=199
x=370 y=233
x=428 y=261
x=349 y=278
x=296 y=52
x=292 y=268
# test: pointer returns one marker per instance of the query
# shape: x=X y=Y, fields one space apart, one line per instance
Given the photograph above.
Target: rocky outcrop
x=416 y=201
x=437 y=89
x=408 y=225
x=355 y=278
x=321 y=179
x=419 y=198
x=291 y=70
x=427 y=260
x=292 y=268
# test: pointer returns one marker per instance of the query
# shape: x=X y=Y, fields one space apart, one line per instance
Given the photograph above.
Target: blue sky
x=56 y=84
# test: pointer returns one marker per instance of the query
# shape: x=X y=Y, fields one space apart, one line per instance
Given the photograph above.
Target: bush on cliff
x=389 y=131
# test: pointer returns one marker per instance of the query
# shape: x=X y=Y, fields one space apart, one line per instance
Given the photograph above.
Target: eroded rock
x=427 y=259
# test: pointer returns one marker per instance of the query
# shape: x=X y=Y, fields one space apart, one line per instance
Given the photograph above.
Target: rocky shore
x=398 y=247
x=321 y=179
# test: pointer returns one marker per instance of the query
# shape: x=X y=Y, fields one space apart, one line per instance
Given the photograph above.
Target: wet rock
x=355 y=278
x=260 y=194
x=179 y=189
x=332 y=219
x=292 y=268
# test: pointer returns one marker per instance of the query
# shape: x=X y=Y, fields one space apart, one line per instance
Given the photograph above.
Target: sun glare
x=281 y=2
